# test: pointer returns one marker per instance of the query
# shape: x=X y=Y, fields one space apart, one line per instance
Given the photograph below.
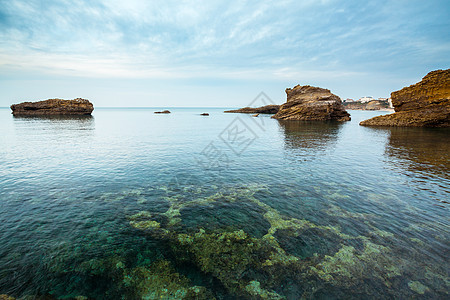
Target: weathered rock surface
x=77 y=106
x=162 y=112
x=267 y=109
x=424 y=104
x=311 y=103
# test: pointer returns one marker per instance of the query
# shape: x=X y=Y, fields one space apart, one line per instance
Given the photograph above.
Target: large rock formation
x=267 y=109
x=426 y=103
x=77 y=106
x=311 y=103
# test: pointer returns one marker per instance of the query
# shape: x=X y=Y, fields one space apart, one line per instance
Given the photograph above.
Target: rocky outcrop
x=372 y=105
x=267 y=109
x=77 y=106
x=162 y=112
x=311 y=103
x=424 y=104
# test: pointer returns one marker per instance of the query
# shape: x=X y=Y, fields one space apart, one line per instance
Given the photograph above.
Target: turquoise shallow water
x=128 y=204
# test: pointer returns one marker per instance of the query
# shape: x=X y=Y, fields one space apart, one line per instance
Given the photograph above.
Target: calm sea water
x=128 y=204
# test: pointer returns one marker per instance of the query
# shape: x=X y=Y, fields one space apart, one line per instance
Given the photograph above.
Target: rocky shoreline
x=424 y=104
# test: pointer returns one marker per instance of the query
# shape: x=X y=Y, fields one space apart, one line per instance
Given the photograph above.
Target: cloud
x=178 y=39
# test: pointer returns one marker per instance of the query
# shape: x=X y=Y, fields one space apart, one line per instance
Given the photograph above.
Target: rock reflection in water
x=57 y=123
x=420 y=149
x=302 y=136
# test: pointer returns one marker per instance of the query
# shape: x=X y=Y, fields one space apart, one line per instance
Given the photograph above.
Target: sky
x=169 y=53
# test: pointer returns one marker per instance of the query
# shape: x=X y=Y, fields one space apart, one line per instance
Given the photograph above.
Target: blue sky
x=215 y=53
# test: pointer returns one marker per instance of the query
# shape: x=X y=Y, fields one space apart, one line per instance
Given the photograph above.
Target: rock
x=424 y=104
x=77 y=106
x=255 y=115
x=311 y=103
x=267 y=109
x=162 y=112
x=204 y=114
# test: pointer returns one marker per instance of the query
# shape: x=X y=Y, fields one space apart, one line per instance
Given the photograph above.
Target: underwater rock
x=271 y=266
x=267 y=109
x=161 y=281
x=311 y=103
x=162 y=112
x=76 y=106
x=228 y=256
x=417 y=287
x=424 y=104
x=254 y=289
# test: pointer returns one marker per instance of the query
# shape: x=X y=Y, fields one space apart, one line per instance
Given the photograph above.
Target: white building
x=366 y=99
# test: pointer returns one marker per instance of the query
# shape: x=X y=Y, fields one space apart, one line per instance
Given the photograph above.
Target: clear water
x=128 y=204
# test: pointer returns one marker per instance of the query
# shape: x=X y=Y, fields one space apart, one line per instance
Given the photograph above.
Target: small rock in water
x=255 y=115
x=162 y=112
x=204 y=114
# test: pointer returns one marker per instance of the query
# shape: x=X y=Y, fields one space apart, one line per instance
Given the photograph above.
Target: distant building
x=366 y=99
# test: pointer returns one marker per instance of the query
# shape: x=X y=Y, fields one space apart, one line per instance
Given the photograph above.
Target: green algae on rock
x=161 y=281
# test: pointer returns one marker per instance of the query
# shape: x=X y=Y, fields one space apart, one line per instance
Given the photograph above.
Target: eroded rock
x=311 y=103
x=76 y=106
x=424 y=104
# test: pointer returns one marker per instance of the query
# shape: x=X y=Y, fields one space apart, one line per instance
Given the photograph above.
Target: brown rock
x=162 y=112
x=267 y=109
x=77 y=106
x=311 y=103
x=424 y=104
x=255 y=115
x=204 y=114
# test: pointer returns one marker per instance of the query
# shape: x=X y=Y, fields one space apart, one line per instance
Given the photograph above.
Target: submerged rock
x=77 y=106
x=267 y=109
x=424 y=104
x=311 y=103
x=162 y=112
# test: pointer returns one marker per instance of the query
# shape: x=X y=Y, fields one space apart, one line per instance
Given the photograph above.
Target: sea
x=128 y=204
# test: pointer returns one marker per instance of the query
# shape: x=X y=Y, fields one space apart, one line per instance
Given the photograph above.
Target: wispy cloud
x=250 y=39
